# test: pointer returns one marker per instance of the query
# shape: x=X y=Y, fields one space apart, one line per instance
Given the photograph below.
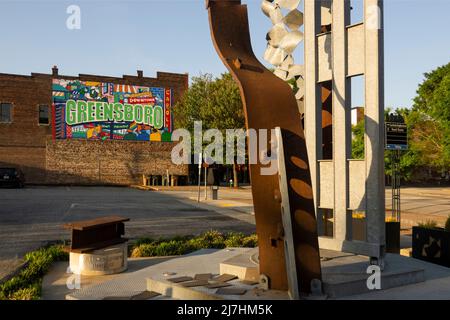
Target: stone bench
x=97 y=246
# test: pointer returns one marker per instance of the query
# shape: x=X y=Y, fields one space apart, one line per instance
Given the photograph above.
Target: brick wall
x=27 y=145
x=107 y=162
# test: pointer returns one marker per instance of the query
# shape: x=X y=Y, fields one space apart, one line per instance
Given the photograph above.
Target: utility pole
x=206 y=188
x=199 y=174
x=395 y=184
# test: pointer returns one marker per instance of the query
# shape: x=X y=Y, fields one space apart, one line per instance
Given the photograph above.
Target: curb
x=144 y=188
x=14 y=273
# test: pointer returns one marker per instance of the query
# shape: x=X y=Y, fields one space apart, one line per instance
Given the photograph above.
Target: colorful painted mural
x=107 y=111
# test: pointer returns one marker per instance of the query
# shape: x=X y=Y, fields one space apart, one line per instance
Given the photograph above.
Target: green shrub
x=212 y=240
x=167 y=248
x=187 y=244
x=250 y=241
x=27 y=284
x=171 y=248
x=144 y=241
x=234 y=240
x=33 y=292
x=447 y=224
x=142 y=250
x=429 y=224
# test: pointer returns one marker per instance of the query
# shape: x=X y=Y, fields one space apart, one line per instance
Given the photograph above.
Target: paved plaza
x=31 y=217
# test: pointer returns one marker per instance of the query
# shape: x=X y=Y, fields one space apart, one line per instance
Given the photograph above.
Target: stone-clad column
x=341 y=119
x=313 y=112
x=374 y=117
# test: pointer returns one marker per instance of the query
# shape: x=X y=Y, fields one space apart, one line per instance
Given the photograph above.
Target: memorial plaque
x=225 y=278
x=203 y=276
x=217 y=285
x=115 y=261
x=93 y=262
x=195 y=283
x=180 y=279
x=146 y=295
x=231 y=291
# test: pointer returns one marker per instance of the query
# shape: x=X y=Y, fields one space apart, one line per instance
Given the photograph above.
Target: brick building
x=35 y=135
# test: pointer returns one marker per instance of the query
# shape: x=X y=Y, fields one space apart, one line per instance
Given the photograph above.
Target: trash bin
x=215 y=192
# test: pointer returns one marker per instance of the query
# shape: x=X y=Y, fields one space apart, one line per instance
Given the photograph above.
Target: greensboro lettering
x=78 y=112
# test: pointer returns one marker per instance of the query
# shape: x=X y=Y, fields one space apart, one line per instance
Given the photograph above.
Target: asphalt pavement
x=31 y=217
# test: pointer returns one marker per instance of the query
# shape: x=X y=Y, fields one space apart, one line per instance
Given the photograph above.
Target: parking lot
x=33 y=216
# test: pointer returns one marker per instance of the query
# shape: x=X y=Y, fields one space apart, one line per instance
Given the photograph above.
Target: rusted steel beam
x=97 y=233
x=269 y=103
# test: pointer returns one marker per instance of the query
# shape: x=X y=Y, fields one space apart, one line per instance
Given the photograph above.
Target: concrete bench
x=97 y=246
x=90 y=235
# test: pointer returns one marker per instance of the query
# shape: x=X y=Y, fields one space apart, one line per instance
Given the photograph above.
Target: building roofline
x=160 y=75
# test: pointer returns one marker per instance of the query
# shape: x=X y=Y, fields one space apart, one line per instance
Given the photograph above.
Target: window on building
x=43 y=114
x=5 y=112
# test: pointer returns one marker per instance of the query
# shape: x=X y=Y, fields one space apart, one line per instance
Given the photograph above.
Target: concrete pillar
x=374 y=117
x=313 y=112
x=341 y=119
x=330 y=62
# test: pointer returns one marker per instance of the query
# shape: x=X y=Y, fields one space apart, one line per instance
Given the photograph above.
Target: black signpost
x=396 y=136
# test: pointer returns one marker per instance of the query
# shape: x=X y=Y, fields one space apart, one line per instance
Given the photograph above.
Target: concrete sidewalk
x=422 y=204
x=238 y=206
x=169 y=212
x=417 y=204
x=8 y=267
x=57 y=283
x=435 y=286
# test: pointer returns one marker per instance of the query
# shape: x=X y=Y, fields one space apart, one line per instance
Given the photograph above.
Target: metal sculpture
x=269 y=103
x=282 y=39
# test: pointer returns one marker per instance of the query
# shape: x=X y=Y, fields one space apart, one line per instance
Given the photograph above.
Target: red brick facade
x=26 y=144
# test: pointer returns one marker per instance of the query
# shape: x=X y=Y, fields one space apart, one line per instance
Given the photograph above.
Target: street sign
x=396 y=136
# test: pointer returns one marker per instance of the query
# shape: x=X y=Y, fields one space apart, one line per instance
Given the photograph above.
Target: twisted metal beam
x=283 y=38
x=269 y=103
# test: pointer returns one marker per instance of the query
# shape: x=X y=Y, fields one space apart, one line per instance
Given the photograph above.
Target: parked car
x=12 y=177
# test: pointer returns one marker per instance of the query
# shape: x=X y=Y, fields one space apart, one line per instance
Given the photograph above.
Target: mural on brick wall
x=102 y=111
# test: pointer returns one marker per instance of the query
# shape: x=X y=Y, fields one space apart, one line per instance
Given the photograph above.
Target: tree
x=430 y=119
x=428 y=124
x=408 y=160
x=214 y=101
x=358 y=140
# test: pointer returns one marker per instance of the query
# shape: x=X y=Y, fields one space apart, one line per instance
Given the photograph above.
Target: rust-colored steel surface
x=90 y=235
x=269 y=103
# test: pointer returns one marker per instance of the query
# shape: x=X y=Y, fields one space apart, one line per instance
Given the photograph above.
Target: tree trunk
x=235 y=176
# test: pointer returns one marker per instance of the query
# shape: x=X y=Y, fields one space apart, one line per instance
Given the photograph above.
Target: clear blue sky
x=117 y=37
